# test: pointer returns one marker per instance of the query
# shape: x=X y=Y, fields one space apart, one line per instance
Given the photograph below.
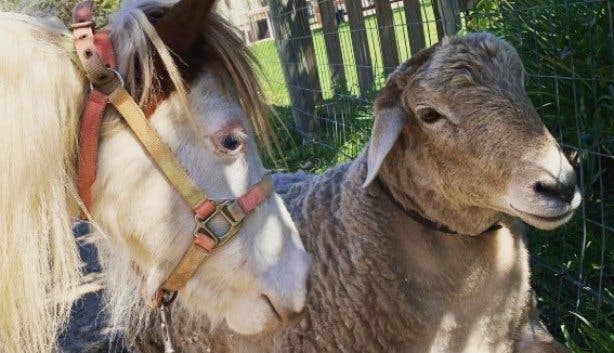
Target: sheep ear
x=389 y=123
x=390 y=116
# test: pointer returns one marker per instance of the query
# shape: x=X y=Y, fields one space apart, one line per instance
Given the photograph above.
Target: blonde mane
x=40 y=101
x=42 y=92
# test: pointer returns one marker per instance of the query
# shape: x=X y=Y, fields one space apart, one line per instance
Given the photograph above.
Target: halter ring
x=119 y=77
x=202 y=225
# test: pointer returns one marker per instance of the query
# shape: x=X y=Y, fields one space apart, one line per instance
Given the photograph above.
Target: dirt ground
x=87 y=326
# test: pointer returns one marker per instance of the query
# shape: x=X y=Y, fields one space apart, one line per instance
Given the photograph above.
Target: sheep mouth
x=544 y=219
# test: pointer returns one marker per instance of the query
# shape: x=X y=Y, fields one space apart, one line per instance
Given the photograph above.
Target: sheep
x=419 y=243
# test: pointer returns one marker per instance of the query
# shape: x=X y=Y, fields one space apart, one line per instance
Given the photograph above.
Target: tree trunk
x=360 y=46
x=387 y=37
x=415 y=31
x=333 y=46
x=449 y=11
x=290 y=23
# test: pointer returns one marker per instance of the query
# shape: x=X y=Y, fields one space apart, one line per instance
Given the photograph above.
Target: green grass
x=340 y=137
x=347 y=121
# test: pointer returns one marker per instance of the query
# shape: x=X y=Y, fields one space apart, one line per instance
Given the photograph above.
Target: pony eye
x=429 y=115
x=230 y=142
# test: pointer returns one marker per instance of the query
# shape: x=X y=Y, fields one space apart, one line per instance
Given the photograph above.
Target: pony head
x=186 y=66
x=186 y=63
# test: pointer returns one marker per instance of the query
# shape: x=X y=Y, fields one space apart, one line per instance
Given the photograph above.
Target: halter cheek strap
x=96 y=54
x=95 y=51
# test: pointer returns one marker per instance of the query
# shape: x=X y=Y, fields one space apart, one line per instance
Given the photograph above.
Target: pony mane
x=240 y=62
x=41 y=95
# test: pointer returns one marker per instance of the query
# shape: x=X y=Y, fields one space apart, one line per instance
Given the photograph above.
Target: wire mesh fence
x=568 y=51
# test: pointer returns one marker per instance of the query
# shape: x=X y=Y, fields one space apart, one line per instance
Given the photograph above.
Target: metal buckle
x=202 y=225
x=83 y=24
x=119 y=77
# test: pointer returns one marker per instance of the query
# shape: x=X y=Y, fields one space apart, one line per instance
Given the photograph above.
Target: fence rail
x=345 y=49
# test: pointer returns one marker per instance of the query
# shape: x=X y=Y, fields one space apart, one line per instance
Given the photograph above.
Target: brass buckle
x=202 y=225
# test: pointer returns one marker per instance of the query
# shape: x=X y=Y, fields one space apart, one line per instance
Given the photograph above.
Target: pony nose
x=285 y=313
x=562 y=189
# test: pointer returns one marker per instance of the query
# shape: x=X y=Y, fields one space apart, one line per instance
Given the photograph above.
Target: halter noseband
x=95 y=52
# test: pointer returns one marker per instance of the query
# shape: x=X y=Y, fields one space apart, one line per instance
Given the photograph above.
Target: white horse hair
x=250 y=283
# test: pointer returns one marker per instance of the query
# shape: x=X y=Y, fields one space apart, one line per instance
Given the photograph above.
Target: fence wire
x=568 y=52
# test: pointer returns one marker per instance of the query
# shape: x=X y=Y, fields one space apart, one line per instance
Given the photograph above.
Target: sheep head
x=455 y=120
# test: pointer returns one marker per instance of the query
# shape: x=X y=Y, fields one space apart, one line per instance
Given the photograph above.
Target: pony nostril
x=561 y=191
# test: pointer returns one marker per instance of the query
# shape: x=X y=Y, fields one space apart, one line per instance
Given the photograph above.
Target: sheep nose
x=284 y=312
x=562 y=189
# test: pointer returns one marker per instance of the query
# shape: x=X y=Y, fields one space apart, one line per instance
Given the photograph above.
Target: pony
x=188 y=68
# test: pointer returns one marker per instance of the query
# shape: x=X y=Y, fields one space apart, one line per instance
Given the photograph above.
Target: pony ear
x=390 y=115
x=180 y=26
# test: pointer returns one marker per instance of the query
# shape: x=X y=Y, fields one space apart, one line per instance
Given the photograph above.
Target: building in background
x=250 y=16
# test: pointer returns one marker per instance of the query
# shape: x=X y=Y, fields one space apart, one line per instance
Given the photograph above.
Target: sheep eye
x=430 y=115
x=230 y=142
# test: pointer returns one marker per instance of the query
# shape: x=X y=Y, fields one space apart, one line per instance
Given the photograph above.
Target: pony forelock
x=135 y=38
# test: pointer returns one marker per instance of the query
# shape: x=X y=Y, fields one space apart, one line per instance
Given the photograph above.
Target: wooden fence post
x=290 y=21
x=438 y=20
x=333 y=46
x=449 y=11
x=413 y=18
x=387 y=37
x=360 y=45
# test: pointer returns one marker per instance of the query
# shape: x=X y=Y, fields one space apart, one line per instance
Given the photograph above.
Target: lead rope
x=165 y=322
